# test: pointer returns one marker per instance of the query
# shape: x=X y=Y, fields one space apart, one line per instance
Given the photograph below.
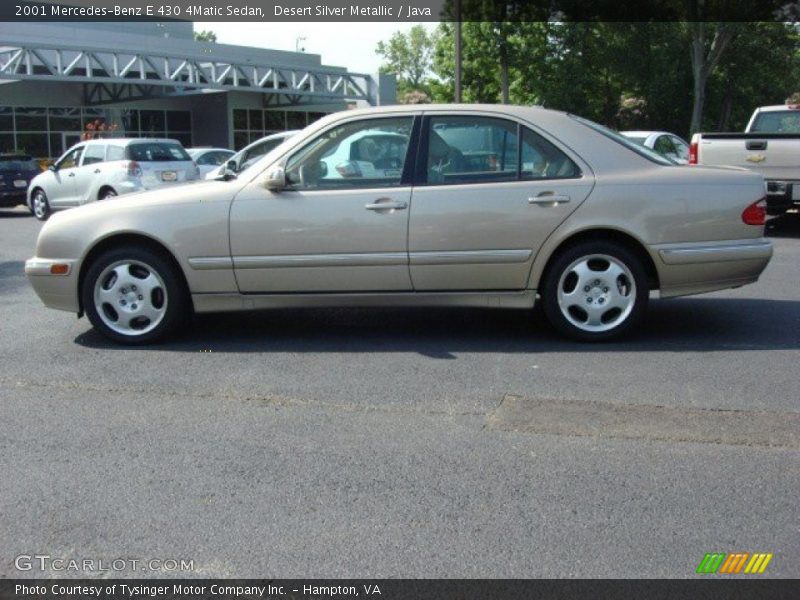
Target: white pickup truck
x=769 y=145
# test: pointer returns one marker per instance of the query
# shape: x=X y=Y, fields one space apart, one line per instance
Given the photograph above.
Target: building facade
x=61 y=81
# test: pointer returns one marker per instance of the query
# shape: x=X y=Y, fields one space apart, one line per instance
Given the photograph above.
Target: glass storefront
x=252 y=124
x=45 y=133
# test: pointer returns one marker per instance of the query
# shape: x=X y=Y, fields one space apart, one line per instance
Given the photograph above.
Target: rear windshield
x=19 y=163
x=779 y=121
x=156 y=152
x=644 y=151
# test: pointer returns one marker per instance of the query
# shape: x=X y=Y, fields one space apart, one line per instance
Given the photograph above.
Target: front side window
x=71 y=158
x=369 y=153
x=94 y=153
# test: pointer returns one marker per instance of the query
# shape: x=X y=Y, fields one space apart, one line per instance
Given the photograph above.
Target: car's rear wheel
x=595 y=291
x=134 y=296
x=40 y=207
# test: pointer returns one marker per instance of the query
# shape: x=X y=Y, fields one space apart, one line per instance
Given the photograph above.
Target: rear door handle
x=386 y=204
x=549 y=198
x=97 y=171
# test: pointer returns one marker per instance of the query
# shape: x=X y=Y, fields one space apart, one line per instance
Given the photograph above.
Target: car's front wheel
x=134 y=296
x=40 y=207
x=595 y=291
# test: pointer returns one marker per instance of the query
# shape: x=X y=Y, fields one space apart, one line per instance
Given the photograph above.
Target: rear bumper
x=782 y=196
x=693 y=268
x=56 y=291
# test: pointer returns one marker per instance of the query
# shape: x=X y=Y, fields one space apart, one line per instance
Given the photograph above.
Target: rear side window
x=156 y=152
x=540 y=159
x=94 y=153
x=115 y=153
x=468 y=149
x=779 y=121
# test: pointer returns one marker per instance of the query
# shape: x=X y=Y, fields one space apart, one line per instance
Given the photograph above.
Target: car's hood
x=177 y=195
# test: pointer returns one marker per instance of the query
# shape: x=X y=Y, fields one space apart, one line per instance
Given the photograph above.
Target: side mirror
x=52 y=168
x=229 y=170
x=276 y=180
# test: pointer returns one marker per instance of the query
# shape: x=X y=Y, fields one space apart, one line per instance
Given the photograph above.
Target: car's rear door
x=326 y=232
x=490 y=191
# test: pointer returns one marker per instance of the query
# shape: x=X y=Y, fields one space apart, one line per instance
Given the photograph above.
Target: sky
x=350 y=45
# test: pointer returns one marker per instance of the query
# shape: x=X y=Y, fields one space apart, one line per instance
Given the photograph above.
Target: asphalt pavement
x=404 y=443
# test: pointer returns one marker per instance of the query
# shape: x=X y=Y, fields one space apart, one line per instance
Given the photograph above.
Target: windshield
x=779 y=121
x=647 y=153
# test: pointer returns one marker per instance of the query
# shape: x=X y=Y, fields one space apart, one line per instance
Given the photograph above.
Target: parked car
x=769 y=145
x=251 y=153
x=209 y=159
x=16 y=172
x=101 y=169
x=665 y=143
x=559 y=207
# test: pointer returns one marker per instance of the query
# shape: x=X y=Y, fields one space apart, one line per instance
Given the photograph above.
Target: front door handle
x=71 y=175
x=549 y=199
x=387 y=204
x=97 y=171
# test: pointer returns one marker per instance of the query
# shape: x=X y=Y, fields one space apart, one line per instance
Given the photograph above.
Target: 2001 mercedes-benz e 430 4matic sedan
x=439 y=205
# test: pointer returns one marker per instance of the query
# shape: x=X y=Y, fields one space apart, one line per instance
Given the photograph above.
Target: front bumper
x=694 y=268
x=56 y=291
x=13 y=197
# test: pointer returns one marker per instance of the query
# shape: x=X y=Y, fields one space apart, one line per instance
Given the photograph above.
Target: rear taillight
x=693 y=153
x=134 y=169
x=756 y=213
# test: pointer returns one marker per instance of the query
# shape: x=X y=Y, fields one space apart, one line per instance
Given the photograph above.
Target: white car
x=100 y=169
x=666 y=144
x=210 y=159
x=252 y=152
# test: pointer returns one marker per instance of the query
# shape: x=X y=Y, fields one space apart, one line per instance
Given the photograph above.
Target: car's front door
x=333 y=228
x=490 y=192
x=61 y=190
x=90 y=171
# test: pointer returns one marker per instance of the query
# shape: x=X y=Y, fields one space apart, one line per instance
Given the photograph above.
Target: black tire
x=106 y=193
x=174 y=299
x=599 y=291
x=40 y=206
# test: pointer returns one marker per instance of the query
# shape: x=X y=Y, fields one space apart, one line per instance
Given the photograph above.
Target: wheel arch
x=137 y=239
x=599 y=234
x=103 y=188
x=32 y=192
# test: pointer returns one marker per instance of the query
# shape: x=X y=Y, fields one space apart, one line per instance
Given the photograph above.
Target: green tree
x=206 y=35
x=408 y=55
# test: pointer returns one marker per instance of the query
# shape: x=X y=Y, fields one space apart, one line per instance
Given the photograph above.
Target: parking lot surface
x=405 y=443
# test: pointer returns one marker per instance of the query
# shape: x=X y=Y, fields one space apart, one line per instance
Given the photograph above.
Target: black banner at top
x=399 y=10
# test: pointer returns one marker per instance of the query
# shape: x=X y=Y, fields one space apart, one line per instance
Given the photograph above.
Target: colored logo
x=735 y=563
x=756 y=158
